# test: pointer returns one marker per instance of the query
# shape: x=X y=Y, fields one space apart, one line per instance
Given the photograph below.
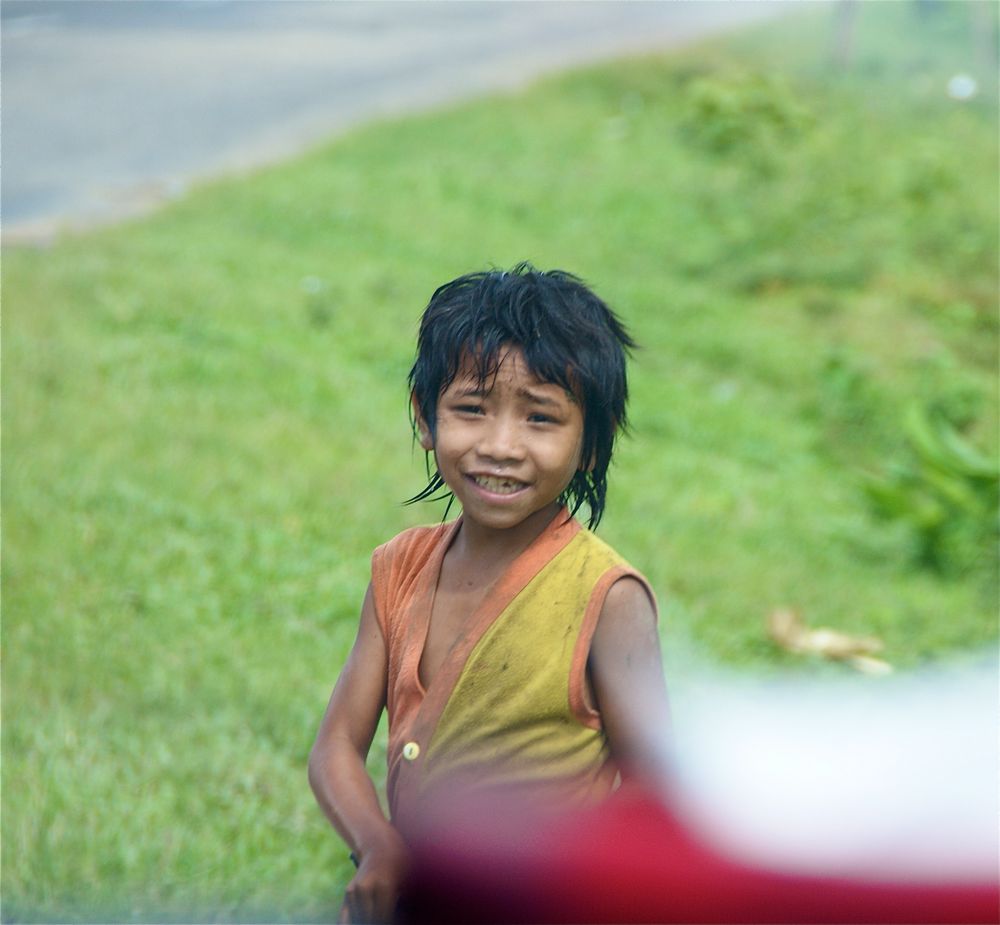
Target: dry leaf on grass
x=787 y=629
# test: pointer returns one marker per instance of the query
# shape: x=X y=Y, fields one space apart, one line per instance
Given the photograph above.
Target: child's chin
x=507 y=519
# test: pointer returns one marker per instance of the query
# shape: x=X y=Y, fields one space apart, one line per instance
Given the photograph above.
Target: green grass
x=206 y=431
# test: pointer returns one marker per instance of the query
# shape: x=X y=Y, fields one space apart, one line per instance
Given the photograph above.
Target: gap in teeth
x=498 y=485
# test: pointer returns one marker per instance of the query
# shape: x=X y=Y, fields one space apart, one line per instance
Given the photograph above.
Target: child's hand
x=371 y=896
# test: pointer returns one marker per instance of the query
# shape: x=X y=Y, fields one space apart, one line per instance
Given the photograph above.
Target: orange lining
x=580 y=700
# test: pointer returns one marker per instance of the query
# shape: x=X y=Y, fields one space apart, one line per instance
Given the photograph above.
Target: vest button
x=411 y=751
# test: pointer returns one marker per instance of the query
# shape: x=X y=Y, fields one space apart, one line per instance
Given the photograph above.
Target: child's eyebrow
x=472 y=391
x=537 y=397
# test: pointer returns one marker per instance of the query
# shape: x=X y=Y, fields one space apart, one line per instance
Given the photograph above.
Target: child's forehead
x=508 y=369
x=507 y=366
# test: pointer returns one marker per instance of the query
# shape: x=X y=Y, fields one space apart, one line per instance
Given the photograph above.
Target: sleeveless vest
x=509 y=707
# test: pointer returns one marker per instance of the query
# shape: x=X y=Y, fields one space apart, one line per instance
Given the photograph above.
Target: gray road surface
x=111 y=107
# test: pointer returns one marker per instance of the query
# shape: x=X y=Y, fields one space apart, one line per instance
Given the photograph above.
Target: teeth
x=497 y=486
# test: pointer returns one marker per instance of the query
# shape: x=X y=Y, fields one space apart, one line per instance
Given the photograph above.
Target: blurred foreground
x=791 y=801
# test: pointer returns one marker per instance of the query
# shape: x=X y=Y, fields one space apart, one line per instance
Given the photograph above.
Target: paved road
x=111 y=107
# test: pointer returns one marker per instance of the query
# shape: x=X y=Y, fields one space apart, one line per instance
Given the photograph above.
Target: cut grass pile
x=206 y=428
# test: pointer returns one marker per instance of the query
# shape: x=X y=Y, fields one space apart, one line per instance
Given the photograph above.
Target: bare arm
x=626 y=671
x=340 y=781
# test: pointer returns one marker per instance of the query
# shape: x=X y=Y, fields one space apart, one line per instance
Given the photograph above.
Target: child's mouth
x=497 y=485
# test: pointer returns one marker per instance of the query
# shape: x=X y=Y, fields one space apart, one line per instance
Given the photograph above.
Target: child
x=512 y=648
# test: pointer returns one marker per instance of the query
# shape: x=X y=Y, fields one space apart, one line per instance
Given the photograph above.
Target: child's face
x=509 y=448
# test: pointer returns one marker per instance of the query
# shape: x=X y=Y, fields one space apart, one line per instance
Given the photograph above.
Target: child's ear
x=423 y=431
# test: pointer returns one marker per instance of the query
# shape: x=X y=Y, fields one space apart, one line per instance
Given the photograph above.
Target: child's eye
x=539 y=418
x=469 y=409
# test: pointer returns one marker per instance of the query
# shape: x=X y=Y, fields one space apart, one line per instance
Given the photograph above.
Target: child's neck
x=475 y=540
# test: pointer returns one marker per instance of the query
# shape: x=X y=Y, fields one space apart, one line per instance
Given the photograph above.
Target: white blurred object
x=962 y=87
x=888 y=779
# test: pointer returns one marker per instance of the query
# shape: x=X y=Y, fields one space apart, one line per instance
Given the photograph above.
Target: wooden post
x=845 y=15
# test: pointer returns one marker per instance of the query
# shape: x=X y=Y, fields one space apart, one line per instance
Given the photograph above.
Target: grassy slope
x=206 y=431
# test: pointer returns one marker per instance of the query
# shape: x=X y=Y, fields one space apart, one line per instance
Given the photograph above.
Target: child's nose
x=502 y=440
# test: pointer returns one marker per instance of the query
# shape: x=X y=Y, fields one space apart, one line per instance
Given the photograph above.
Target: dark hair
x=568 y=337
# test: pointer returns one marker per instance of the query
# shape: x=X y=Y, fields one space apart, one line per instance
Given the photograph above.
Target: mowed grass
x=206 y=424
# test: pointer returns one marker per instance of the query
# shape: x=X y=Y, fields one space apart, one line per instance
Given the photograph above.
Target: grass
x=206 y=430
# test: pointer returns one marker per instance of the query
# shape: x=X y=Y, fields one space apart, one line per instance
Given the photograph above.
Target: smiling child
x=514 y=651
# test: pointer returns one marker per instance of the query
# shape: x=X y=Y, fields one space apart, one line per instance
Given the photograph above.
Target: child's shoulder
x=598 y=561
x=412 y=540
x=407 y=552
x=592 y=545
x=398 y=565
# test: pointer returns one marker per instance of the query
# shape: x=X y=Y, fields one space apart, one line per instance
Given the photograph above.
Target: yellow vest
x=509 y=709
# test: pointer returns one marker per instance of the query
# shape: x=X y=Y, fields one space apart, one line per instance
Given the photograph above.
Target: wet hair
x=568 y=337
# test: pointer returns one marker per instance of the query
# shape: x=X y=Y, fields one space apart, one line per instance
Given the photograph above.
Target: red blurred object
x=632 y=860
